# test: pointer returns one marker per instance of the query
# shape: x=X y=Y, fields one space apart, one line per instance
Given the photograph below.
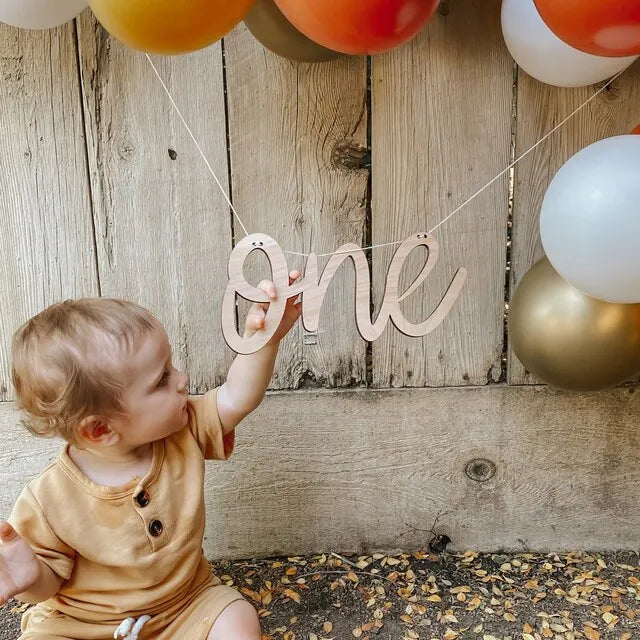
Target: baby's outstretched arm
x=249 y=375
x=22 y=574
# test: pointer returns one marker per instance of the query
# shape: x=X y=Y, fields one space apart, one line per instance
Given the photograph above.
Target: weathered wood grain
x=162 y=226
x=367 y=470
x=440 y=131
x=297 y=135
x=46 y=240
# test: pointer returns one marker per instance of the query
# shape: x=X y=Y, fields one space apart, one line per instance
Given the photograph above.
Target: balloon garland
x=589 y=226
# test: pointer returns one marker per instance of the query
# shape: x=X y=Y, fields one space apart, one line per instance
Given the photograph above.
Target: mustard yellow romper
x=131 y=551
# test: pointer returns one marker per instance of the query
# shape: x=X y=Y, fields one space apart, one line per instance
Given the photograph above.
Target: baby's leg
x=238 y=621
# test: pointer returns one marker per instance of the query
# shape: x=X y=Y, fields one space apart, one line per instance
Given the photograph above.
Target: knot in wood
x=612 y=90
x=126 y=150
x=346 y=155
x=480 y=469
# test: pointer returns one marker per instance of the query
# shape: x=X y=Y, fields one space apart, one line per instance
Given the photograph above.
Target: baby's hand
x=19 y=567
x=258 y=312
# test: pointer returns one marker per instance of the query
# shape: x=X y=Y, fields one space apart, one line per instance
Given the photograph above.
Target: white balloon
x=40 y=14
x=544 y=56
x=590 y=220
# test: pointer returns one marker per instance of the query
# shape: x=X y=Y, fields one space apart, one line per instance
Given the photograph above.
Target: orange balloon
x=637 y=129
x=601 y=27
x=358 y=26
x=169 y=26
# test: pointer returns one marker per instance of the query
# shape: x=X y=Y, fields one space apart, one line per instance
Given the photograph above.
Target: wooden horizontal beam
x=371 y=470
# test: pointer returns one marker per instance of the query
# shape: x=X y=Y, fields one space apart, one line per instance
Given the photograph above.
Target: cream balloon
x=540 y=53
x=590 y=220
x=40 y=14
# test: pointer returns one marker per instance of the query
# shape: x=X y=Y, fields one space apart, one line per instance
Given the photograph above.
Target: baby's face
x=155 y=398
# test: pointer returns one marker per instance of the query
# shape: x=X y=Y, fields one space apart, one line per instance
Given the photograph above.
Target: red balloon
x=358 y=26
x=637 y=129
x=601 y=27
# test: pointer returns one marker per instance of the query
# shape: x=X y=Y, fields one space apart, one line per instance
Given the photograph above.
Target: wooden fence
x=361 y=446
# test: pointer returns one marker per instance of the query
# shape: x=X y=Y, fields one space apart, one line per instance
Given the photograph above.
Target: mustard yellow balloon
x=169 y=26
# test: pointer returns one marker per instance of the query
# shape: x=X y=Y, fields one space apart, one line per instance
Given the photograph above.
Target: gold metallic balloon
x=169 y=26
x=569 y=339
x=276 y=33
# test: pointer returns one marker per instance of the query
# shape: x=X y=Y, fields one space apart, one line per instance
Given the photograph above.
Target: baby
x=108 y=538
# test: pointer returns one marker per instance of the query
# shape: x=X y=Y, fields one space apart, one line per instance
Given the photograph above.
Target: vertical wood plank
x=441 y=130
x=540 y=108
x=46 y=241
x=298 y=143
x=162 y=225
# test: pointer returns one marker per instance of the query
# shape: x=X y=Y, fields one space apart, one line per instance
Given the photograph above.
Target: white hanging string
x=204 y=157
x=396 y=242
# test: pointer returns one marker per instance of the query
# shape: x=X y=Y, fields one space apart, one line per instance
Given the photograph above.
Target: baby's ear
x=95 y=430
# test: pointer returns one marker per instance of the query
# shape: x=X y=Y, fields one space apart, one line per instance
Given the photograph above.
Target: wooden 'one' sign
x=313 y=290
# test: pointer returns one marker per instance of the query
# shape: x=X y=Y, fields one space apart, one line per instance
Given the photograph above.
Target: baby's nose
x=183 y=382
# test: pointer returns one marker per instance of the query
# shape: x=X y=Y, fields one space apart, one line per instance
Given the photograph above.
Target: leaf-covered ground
x=425 y=596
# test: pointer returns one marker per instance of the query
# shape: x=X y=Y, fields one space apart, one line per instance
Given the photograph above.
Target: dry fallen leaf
x=293 y=595
x=254 y=595
x=462 y=589
x=591 y=633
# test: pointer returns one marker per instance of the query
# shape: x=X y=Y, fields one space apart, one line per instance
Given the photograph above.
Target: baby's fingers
x=293 y=276
x=256 y=318
x=269 y=288
x=7 y=532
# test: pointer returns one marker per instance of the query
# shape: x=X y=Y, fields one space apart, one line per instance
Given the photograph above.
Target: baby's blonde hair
x=67 y=362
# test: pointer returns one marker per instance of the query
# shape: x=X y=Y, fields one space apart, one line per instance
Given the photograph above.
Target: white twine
x=396 y=242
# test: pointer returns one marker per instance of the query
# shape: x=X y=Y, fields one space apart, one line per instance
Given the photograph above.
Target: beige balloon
x=568 y=339
x=269 y=26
